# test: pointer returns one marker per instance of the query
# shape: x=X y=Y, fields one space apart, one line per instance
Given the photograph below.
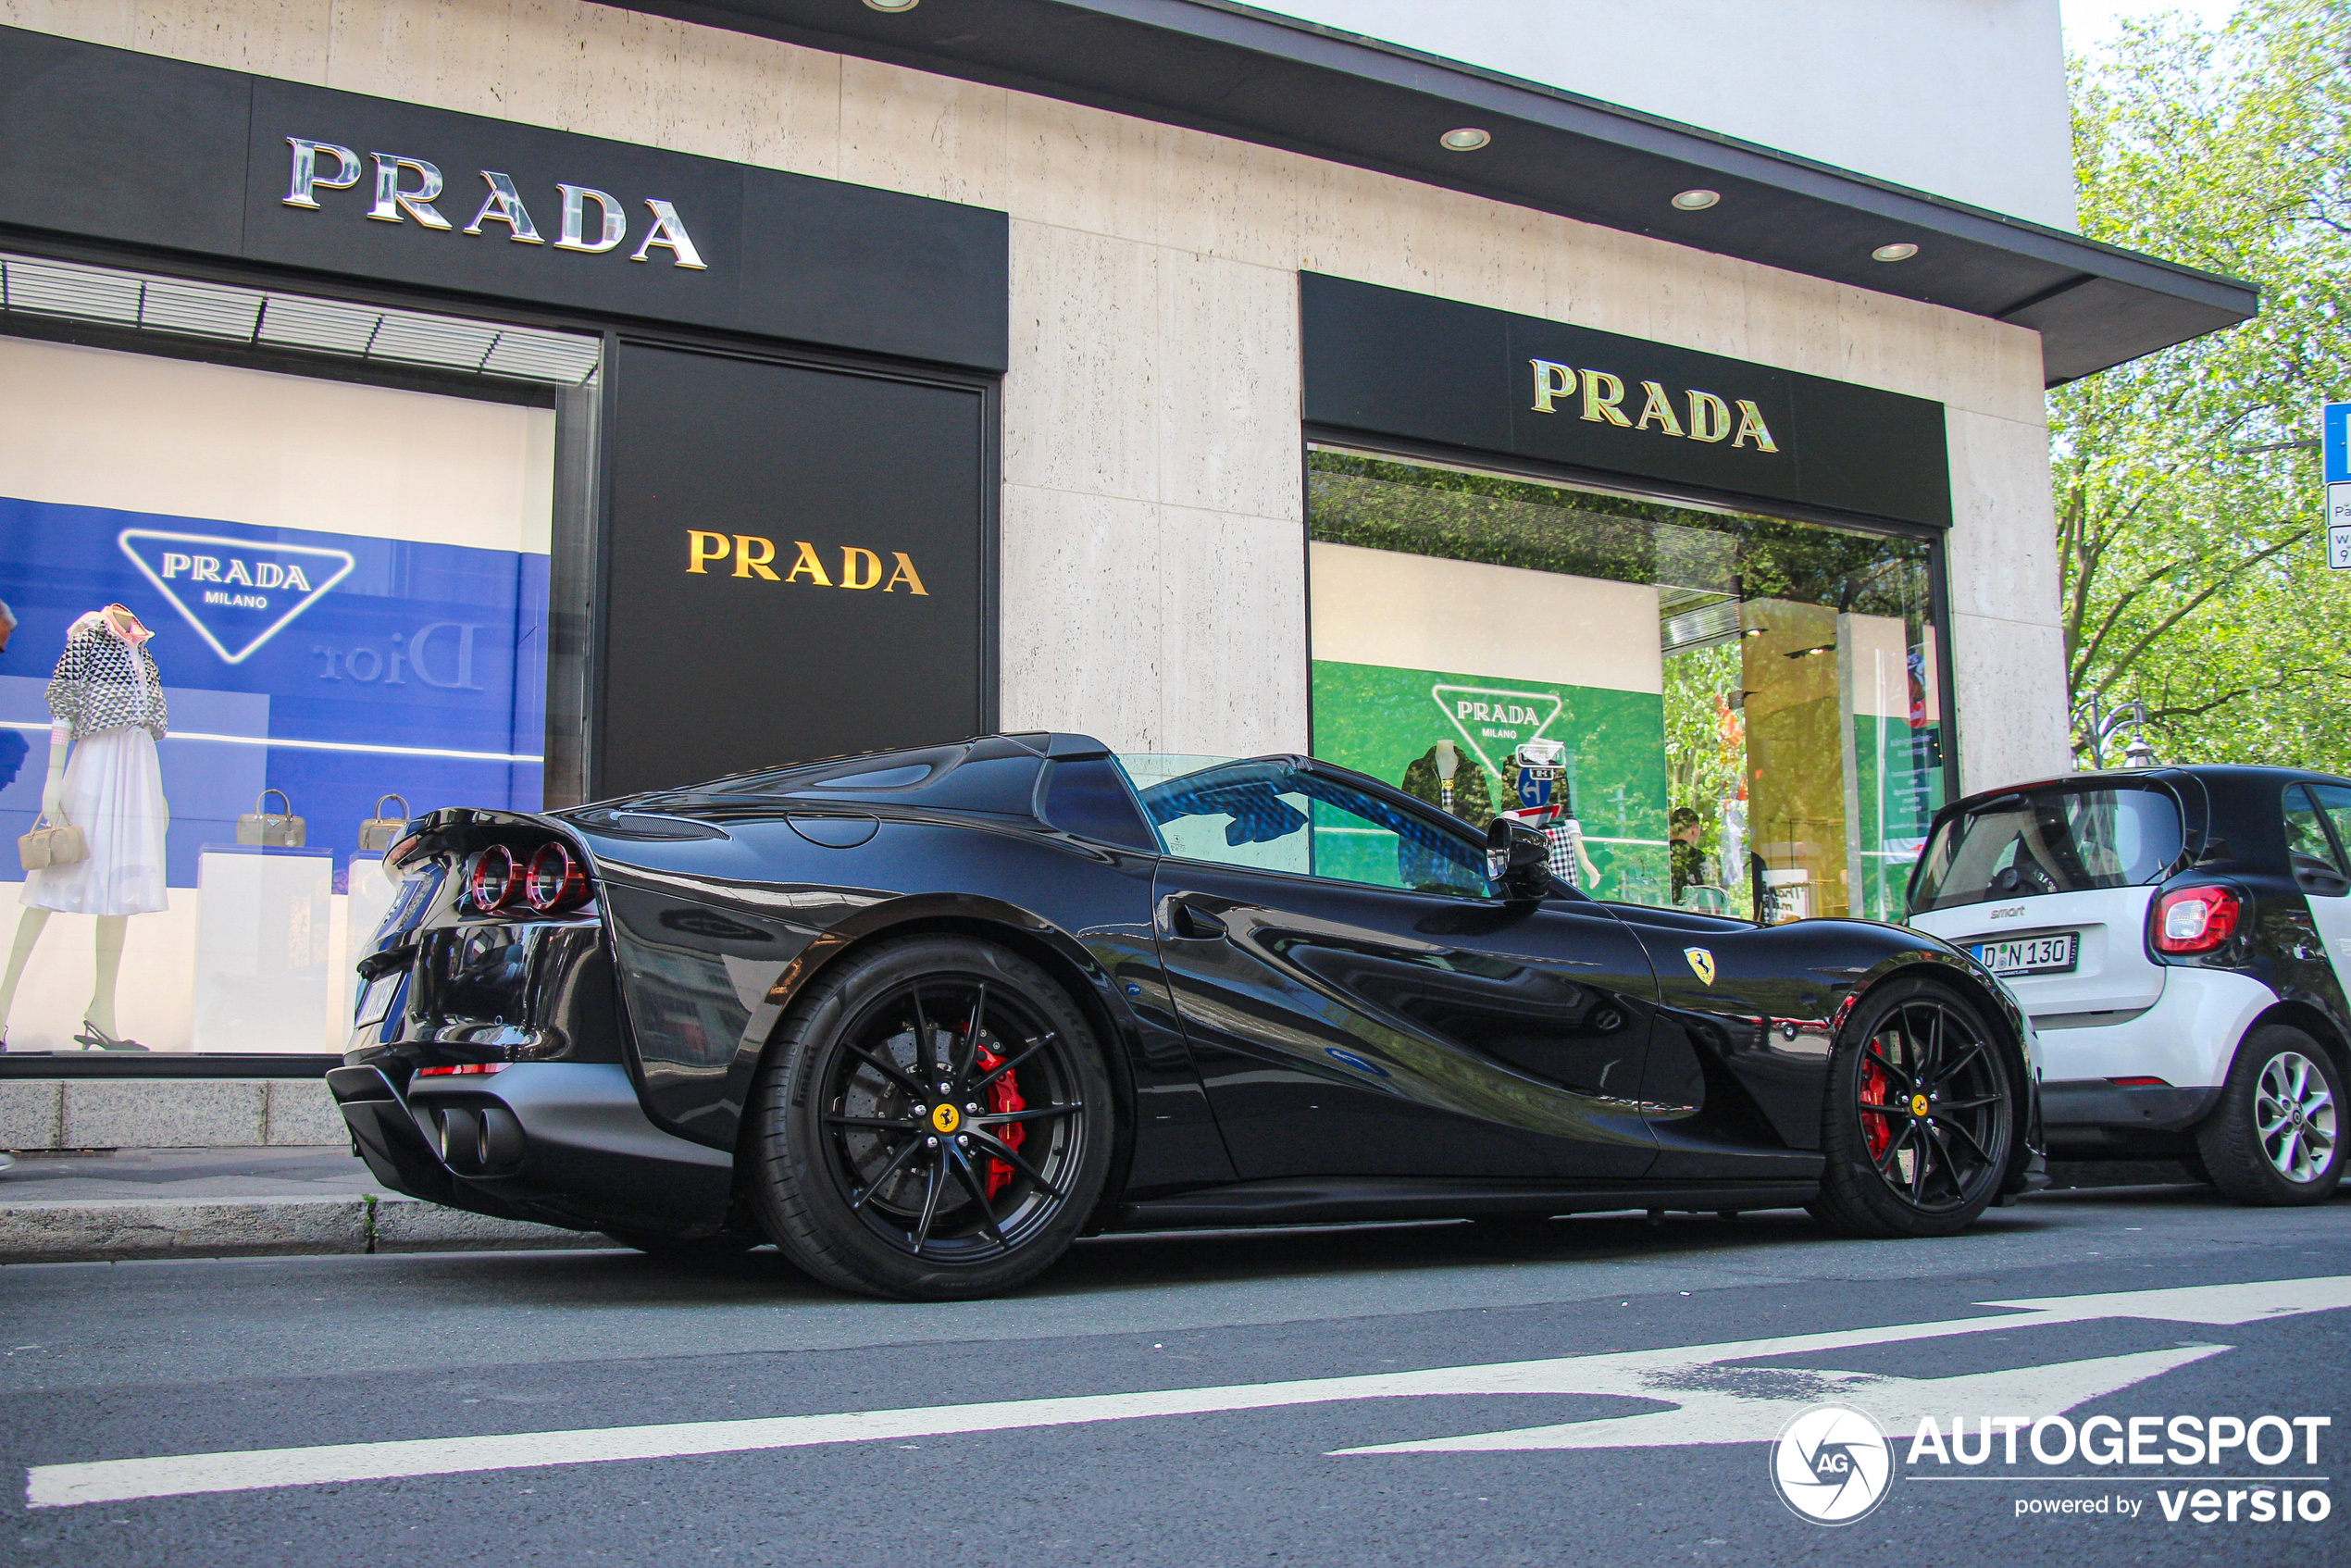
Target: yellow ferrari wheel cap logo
x=1702 y=963
x=946 y=1118
x=1918 y=1105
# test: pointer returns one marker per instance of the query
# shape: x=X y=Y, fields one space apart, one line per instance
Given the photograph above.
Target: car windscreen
x=2058 y=838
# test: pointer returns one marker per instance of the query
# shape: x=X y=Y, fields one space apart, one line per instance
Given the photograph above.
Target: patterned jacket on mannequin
x=103 y=682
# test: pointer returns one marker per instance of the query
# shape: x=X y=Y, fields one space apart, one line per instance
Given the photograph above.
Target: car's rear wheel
x=934 y=1123
x=1920 y=1120
x=2275 y=1138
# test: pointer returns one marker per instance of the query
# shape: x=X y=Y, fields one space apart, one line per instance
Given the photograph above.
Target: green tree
x=2189 y=508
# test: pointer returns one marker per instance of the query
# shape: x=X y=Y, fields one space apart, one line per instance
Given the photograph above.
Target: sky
x=2089 y=23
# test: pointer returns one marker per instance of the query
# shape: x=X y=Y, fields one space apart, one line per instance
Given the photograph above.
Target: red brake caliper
x=1003 y=1097
x=1878 y=1130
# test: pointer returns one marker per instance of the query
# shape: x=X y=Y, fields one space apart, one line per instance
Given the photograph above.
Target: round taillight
x=494 y=880
x=2194 y=919
x=554 y=882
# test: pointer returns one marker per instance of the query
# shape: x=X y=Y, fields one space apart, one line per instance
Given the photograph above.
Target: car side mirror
x=1518 y=860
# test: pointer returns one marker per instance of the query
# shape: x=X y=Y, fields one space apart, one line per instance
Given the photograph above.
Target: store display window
x=262 y=615
x=1705 y=709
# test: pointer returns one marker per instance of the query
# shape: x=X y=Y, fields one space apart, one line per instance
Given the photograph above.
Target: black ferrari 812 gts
x=924 y=1018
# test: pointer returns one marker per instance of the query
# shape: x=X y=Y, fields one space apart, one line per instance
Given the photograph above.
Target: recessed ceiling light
x=892 y=4
x=1697 y=201
x=1904 y=251
x=1463 y=139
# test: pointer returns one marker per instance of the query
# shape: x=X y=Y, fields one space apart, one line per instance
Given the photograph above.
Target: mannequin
x=107 y=710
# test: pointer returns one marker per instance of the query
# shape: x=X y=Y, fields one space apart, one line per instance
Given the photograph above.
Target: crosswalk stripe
x=1642 y=1373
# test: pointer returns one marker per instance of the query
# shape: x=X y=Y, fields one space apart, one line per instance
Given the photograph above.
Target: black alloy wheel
x=934 y=1123
x=1920 y=1121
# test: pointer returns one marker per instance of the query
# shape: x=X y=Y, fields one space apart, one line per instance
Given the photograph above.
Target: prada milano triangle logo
x=237 y=594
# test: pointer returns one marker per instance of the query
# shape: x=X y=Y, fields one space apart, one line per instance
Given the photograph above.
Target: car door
x=2319 y=866
x=1360 y=1005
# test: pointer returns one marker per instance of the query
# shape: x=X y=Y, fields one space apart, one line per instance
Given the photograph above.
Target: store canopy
x=1328 y=95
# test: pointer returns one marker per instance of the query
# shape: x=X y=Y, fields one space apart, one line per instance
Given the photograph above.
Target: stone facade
x=1152 y=503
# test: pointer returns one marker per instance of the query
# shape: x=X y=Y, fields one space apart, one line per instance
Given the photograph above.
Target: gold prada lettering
x=754 y=559
x=1602 y=400
x=752 y=555
x=1710 y=417
x=1551 y=379
x=809 y=567
x=1602 y=393
x=1659 y=407
x=1751 y=424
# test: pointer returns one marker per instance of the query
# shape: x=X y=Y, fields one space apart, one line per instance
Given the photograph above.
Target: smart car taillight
x=2195 y=919
x=554 y=882
x=494 y=882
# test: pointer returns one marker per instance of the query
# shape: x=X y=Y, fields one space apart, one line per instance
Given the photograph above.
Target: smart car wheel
x=1921 y=1117
x=934 y=1123
x=2276 y=1136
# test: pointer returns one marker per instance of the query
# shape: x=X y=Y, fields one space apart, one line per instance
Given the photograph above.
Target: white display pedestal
x=372 y=896
x=263 y=949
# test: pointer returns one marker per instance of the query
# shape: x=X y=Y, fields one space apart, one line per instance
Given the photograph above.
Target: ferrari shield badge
x=1702 y=963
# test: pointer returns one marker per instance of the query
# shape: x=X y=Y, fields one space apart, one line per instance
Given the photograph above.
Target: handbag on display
x=380 y=832
x=51 y=846
x=269 y=830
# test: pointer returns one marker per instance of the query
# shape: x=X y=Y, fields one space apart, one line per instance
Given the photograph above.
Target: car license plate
x=377 y=1000
x=2054 y=954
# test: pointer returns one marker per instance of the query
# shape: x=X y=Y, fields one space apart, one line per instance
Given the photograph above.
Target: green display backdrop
x=1380 y=720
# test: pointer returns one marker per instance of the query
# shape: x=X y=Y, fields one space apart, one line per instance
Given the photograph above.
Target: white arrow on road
x=1694 y=1377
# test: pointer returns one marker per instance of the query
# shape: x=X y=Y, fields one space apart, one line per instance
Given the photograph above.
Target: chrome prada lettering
x=1600 y=397
x=753 y=557
x=405 y=190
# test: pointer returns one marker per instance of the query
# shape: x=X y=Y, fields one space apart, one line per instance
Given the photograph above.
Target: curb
x=62 y=1231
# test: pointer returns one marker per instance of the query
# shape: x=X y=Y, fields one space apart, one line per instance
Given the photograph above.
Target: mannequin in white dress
x=107 y=705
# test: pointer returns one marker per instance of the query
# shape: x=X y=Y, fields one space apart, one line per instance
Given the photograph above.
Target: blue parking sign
x=2334 y=441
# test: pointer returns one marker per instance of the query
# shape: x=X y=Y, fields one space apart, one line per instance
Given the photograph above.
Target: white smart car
x=2178 y=936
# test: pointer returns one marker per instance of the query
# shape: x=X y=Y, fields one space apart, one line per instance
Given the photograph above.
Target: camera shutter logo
x=1832 y=1465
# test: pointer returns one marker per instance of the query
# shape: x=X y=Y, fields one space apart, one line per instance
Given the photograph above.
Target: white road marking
x=1692 y=1376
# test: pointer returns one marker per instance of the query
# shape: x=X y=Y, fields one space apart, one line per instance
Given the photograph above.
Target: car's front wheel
x=2276 y=1137
x=934 y=1123
x=1920 y=1120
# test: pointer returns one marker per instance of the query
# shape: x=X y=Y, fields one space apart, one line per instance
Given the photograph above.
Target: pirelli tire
x=1922 y=1115
x=934 y=1122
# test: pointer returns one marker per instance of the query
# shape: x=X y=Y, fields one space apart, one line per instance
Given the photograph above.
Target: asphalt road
x=1606 y=1391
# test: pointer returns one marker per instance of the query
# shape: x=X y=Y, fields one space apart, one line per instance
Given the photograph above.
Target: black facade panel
x=122 y=146
x=1391 y=363
x=731 y=464
x=1381 y=359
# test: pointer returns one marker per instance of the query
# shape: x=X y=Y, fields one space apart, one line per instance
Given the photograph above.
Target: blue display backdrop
x=334 y=667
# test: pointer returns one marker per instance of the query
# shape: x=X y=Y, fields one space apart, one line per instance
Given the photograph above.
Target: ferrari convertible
x=922 y=1019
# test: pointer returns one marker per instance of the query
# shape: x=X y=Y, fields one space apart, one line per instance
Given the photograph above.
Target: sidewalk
x=263 y=1201
x=231 y=1202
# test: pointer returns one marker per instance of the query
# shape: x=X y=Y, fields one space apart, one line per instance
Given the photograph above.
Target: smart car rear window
x=2058 y=838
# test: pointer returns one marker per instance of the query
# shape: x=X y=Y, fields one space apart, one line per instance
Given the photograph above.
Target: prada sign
x=134 y=149
x=1385 y=362
x=405 y=190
